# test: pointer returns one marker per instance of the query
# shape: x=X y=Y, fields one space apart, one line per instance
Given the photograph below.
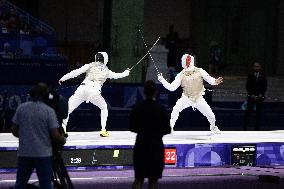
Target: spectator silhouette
x=7 y=52
x=215 y=58
x=256 y=86
x=172 y=39
x=35 y=124
x=151 y=122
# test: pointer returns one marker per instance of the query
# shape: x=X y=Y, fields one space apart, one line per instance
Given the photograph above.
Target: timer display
x=91 y=157
x=97 y=157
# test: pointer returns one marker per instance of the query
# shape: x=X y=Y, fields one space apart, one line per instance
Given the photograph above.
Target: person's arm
x=15 y=130
x=56 y=136
x=170 y=86
x=209 y=79
x=113 y=75
x=53 y=125
x=74 y=73
x=15 y=123
x=249 y=85
x=133 y=120
x=166 y=128
x=264 y=85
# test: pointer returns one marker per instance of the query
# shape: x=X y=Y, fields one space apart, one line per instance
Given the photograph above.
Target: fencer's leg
x=206 y=110
x=74 y=101
x=99 y=101
x=181 y=104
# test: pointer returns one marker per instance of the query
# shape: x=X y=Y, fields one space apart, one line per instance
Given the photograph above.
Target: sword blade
x=145 y=54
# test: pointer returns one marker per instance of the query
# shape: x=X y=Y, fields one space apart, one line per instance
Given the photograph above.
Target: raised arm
x=170 y=86
x=74 y=73
x=113 y=75
x=209 y=79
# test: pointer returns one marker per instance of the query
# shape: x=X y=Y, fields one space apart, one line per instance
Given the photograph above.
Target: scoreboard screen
x=91 y=157
x=97 y=157
x=108 y=157
x=243 y=155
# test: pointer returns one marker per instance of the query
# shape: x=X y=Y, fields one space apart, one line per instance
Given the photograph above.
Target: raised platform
x=126 y=138
x=87 y=150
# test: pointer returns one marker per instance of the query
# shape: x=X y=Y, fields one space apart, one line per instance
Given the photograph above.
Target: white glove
x=160 y=77
x=60 y=82
x=126 y=72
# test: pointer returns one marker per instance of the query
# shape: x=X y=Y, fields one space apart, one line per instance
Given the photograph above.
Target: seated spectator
x=25 y=29
x=2 y=24
x=19 y=53
x=12 y=24
x=39 y=45
x=7 y=53
x=37 y=30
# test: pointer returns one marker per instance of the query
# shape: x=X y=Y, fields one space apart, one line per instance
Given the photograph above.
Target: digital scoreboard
x=243 y=155
x=91 y=157
x=108 y=157
x=97 y=157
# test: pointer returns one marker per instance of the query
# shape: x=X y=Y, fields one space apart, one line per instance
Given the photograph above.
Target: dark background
x=247 y=31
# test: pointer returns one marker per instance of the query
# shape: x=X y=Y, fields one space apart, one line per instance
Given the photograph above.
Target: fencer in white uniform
x=90 y=89
x=191 y=80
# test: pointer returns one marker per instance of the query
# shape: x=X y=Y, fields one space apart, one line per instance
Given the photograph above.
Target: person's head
x=187 y=61
x=101 y=57
x=171 y=28
x=150 y=89
x=39 y=92
x=19 y=51
x=6 y=47
x=256 y=67
x=213 y=44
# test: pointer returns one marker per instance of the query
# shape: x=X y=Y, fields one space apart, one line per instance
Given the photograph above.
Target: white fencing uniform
x=191 y=80
x=90 y=88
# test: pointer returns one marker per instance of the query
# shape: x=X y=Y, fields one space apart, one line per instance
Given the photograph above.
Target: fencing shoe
x=104 y=133
x=215 y=129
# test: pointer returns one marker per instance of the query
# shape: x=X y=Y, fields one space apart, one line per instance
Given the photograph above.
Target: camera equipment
x=61 y=179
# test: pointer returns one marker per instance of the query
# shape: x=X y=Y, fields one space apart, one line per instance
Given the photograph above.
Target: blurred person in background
x=256 y=86
x=7 y=52
x=171 y=41
x=215 y=58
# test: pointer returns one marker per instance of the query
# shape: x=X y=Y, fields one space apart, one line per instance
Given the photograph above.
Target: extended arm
x=264 y=85
x=249 y=85
x=74 y=73
x=209 y=79
x=113 y=75
x=170 y=86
